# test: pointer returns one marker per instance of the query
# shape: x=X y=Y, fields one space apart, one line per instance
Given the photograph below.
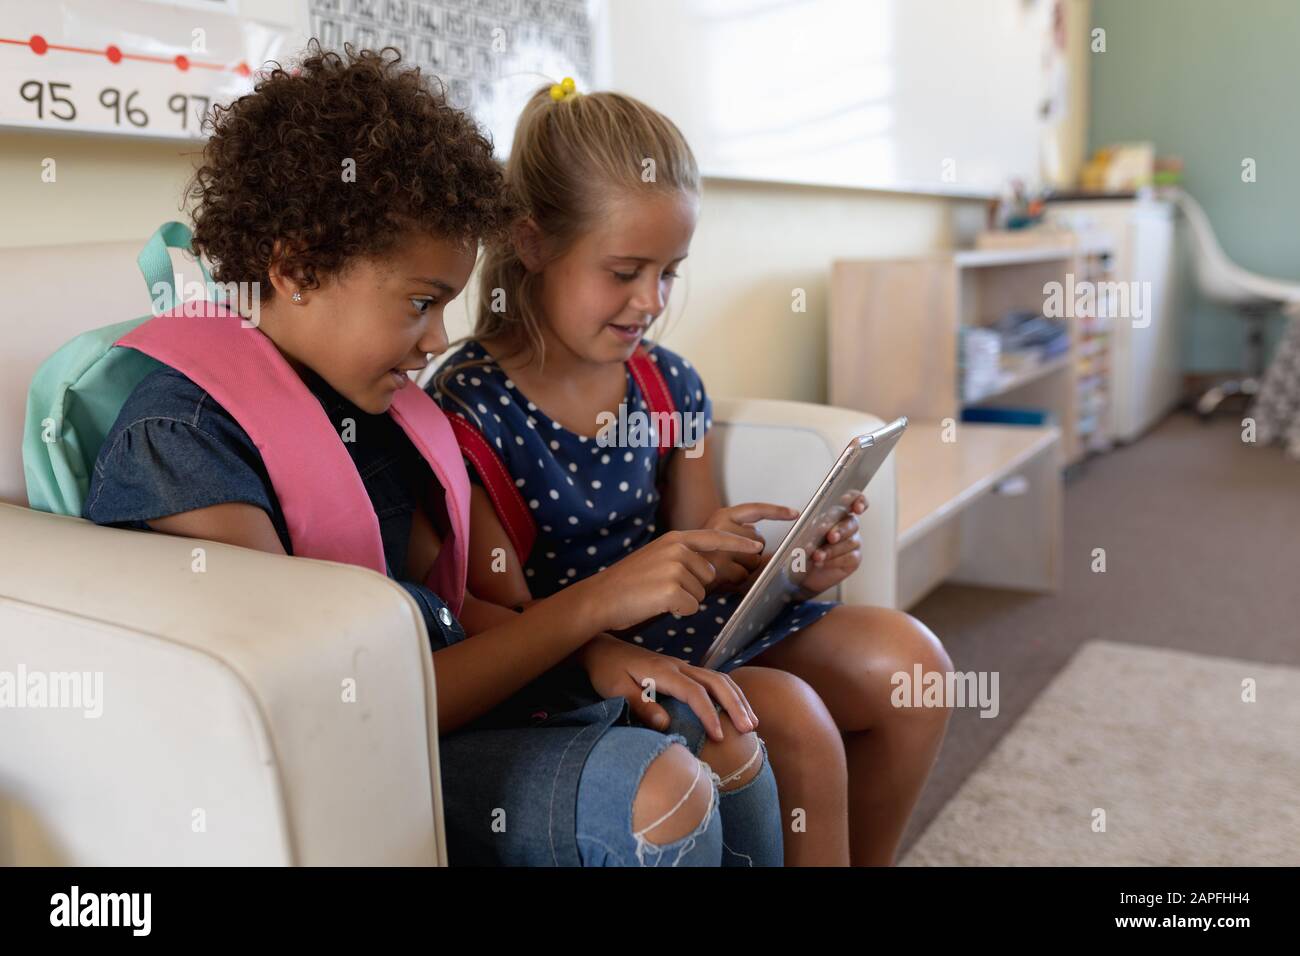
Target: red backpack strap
x=509 y=504
x=654 y=389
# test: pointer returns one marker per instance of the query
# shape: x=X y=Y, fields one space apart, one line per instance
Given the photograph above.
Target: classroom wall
x=731 y=313
x=1212 y=82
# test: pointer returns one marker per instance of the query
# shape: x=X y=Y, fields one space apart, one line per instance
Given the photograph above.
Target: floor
x=1201 y=533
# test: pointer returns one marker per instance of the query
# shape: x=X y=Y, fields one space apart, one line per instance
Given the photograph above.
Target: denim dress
x=518 y=785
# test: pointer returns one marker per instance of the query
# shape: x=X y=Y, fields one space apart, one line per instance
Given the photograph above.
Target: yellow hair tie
x=566 y=89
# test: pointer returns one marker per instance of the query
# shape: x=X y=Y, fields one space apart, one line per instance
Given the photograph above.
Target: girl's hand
x=840 y=554
x=670 y=574
x=619 y=669
x=733 y=570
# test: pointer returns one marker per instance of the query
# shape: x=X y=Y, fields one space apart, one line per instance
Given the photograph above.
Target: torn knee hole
x=687 y=802
x=747 y=771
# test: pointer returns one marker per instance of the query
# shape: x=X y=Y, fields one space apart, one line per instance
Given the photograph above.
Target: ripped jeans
x=742 y=826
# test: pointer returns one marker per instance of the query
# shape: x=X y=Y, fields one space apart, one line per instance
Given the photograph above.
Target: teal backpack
x=77 y=392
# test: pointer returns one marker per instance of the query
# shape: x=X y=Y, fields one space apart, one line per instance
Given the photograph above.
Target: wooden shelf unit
x=977 y=503
x=896 y=324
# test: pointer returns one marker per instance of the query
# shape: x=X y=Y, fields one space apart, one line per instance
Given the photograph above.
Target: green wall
x=1214 y=82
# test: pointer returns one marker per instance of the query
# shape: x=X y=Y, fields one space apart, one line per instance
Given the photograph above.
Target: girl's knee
x=910 y=642
x=674 y=799
x=788 y=708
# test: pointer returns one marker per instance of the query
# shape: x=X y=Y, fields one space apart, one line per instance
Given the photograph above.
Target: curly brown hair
x=274 y=169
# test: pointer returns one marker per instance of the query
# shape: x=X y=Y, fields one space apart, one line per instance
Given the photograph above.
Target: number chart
x=127 y=67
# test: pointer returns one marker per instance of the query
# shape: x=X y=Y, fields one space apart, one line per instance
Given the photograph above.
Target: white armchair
x=267 y=710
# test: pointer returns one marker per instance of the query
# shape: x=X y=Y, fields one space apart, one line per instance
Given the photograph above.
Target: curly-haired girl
x=355 y=198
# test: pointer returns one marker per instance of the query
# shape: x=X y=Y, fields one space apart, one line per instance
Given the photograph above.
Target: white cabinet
x=1145 y=343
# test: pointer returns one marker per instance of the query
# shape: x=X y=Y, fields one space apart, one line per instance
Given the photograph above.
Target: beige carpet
x=1187 y=773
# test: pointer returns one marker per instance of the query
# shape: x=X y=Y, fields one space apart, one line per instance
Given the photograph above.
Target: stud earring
x=297 y=297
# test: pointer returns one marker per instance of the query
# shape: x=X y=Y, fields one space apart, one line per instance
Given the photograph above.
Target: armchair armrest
x=262 y=710
x=779 y=451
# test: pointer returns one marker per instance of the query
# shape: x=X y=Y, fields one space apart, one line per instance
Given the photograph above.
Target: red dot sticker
x=243 y=69
x=114 y=54
x=182 y=63
x=38 y=44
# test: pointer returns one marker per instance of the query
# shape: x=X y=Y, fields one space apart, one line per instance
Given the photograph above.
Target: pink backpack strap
x=654 y=389
x=318 y=486
x=323 y=498
x=508 y=503
x=434 y=437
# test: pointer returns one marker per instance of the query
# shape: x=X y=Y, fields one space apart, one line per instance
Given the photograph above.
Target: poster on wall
x=489 y=54
x=129 y=67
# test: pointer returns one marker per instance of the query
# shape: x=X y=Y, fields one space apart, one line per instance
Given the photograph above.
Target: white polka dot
x=482 y=408
x=671 y=632
x=509 y=383
x=573 y=466
x=505 y=399
x=591 y=549
x=555 y=425
x=498 y=440
x=519 y=482
x=476 y=381
x=532 y=422
x=550 y=554
x=562 y=581
x=568 y=479
x=533 y=504
x=554 y=494
x=572 y=572
x=532 y=407
x=529 y=572
x=687 y=650
x=582 y=438
x=613 y=515
x=555 y=445
x=546 y=527
x=622 y=486
x=690 y=630
x=604 y=532
x=672 y=369
x=595 y=484
x=604 y=459
x=519 y=439
x=589 y=504
x=638 y=492
x=572 y=520
x=638 y=638
x=627 y=542
x=719 y=620
x=627 y=455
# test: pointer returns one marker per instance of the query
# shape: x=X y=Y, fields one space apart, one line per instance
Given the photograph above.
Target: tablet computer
x=783 y=575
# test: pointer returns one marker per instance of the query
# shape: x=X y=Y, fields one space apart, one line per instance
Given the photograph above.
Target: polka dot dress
x=595 y=499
